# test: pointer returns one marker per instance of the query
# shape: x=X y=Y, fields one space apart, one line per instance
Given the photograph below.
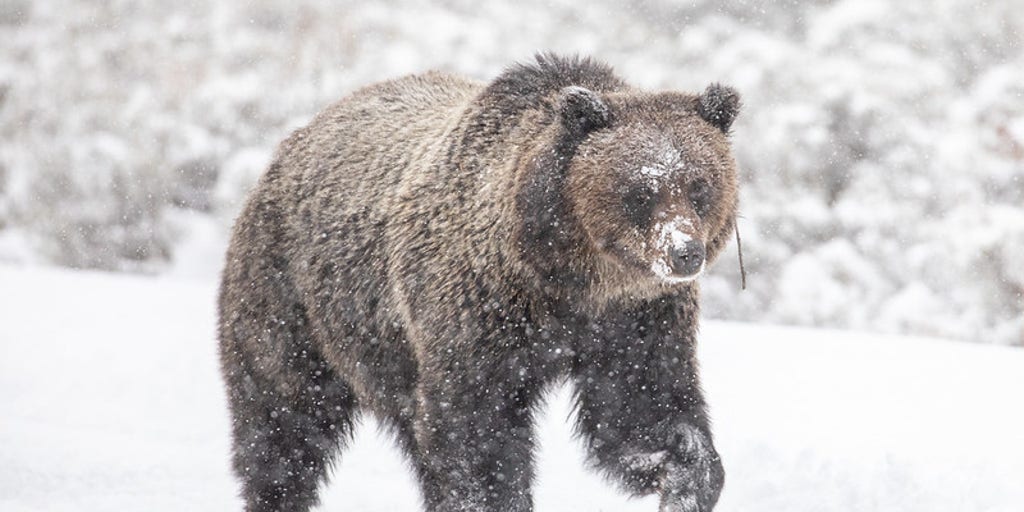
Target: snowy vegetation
x=881 y=145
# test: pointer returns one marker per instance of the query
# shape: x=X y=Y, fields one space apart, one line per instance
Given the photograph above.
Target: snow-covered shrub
x=881 y=143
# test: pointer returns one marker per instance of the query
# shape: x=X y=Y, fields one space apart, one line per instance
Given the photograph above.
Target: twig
x=739 y=251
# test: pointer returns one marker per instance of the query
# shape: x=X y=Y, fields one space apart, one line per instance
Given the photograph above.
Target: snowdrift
x=111 y=400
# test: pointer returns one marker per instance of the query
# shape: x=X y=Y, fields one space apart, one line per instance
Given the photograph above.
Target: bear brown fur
x=439 y=252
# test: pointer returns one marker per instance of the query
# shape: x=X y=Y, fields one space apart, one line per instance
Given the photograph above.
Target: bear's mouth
x=664 y=272
x=660 y=268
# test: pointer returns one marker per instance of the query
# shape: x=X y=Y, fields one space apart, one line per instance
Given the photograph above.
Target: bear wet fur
x=438 y=252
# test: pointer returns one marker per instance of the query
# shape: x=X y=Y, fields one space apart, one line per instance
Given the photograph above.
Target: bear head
x=652 y=182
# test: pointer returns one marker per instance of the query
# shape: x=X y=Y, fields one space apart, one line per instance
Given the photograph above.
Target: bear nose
x=687 y=259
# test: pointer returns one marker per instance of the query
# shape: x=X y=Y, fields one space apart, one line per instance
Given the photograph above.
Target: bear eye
x=639 y=202
x=701 y=195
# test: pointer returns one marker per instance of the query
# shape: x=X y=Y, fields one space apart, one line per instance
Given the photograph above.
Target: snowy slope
x=110 y=400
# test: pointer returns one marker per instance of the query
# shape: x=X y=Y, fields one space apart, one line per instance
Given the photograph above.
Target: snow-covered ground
x=110 y=400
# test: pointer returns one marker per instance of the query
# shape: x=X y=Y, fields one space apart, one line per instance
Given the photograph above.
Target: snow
x=111 y=400
x=666 y=161
x=648 y=171
x=672 y=234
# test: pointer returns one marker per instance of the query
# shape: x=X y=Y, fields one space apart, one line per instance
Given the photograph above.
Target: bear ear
x=582 y=110
x=718 y=105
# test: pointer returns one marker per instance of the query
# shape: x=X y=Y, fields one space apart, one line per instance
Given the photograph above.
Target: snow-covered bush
x=881 y=143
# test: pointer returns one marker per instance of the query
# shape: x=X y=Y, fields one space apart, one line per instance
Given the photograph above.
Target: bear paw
x=693 y=481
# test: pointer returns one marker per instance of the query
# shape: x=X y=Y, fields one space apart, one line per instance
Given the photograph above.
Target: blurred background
x=881 y=143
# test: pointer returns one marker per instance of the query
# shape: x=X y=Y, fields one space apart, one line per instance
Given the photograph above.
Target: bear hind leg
x=285 y=441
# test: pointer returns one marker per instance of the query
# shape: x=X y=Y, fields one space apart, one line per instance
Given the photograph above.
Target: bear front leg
x=475 y=438
x=642 y=416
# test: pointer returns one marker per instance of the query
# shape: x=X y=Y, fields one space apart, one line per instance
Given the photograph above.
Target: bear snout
x=687 y=259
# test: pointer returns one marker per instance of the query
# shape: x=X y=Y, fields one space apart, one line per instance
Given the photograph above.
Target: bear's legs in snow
x=641 y=416
x=475 y=438
x=284 y=442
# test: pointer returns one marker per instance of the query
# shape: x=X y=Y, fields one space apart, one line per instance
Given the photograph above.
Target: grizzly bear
x=440 y=252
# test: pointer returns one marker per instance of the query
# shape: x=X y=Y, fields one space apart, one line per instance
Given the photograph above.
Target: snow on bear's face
x=656 y=190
